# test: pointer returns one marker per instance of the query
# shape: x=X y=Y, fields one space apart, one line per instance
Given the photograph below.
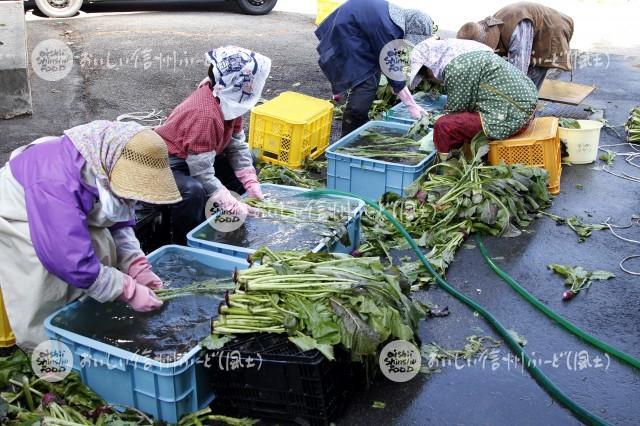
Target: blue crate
x=367 y=177
x=166 y=391
x=400 y=113
x=324 y=244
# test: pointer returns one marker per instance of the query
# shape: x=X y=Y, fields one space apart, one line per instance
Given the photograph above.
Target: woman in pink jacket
x=66 y=217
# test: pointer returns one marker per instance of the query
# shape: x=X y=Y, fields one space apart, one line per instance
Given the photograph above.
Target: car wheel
x=256 y=7
x=59 y=8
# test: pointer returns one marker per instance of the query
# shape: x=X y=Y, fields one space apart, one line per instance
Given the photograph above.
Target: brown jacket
x=552 y=33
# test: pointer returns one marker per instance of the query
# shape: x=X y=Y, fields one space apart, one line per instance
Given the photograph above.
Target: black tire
x=256 y=7
x=59 y=8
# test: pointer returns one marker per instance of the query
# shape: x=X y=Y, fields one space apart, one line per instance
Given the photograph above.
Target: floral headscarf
x=101 y=142
x=240 y=76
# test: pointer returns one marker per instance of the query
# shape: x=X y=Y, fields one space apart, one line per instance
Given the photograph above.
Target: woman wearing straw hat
x=207 y=145
x=66 y=216
x=484 y=92
x=531 y=36
x=352 y=39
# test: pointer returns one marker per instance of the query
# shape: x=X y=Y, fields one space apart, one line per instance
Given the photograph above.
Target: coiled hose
x=572 y=328
x=554 y=391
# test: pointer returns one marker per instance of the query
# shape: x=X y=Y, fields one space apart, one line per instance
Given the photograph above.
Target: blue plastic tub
x=367 y=177
x=400 y=113
x=331 y=244
x=166 y=391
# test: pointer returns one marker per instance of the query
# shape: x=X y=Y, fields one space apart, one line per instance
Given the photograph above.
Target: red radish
x=568 y=295
x=356 y=253
x=421 y=196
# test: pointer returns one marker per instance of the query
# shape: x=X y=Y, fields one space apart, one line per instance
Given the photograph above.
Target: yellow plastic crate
x=7 y=339
x=538 y=146
x=326 y=8
x=289 y=128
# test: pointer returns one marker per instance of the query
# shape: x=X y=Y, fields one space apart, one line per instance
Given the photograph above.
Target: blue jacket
x=351 y=39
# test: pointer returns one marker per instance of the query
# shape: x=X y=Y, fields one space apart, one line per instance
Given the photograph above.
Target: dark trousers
x=537 y=75
x=189 y=213
x=356 y=112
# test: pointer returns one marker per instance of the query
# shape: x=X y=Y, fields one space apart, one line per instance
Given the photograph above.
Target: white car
x=66 y=8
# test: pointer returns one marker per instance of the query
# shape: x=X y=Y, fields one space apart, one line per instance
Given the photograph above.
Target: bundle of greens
x=442 y=210
x=201 y=288
x=281 y=175
x=578 y=279
x=375 y=145
x=320 y=301
x=633 y=126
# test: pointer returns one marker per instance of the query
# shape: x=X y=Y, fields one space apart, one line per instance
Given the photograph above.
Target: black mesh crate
x=284 y=383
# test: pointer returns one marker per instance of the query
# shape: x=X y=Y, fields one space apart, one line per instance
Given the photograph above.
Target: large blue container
x=166 y=391
x=367 y=177
x=400 y=113
x=324 y=243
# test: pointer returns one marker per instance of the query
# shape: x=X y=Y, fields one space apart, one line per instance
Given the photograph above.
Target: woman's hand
x=140 y=270
x=139 y=297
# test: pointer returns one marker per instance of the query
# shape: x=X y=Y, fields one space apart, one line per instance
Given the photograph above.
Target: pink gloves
x=139 y=297
x=227 y=202
x=249 y=180
x=415 y=110
x=140 y=270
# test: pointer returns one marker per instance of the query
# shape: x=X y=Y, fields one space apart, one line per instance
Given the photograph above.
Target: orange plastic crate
x=538 y=146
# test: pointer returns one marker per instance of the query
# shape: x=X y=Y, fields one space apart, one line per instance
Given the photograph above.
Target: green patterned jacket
x=486 y=83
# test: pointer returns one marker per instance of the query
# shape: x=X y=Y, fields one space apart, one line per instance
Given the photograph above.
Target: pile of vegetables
x=444 y=209
x=281 y=175
x=633 y=126
x=26 y=399
x=321 y=301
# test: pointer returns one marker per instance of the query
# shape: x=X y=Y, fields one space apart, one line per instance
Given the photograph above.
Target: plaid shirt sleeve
x=201 y=134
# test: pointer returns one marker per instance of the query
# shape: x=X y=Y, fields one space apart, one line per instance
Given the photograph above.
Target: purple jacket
x=58 y=202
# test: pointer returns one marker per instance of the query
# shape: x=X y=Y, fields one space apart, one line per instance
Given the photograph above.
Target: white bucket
x=582 y=143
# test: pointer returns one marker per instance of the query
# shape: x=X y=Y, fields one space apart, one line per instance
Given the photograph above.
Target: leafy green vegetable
x=608 y=157
x=577 y=278
x=583 y=230
x=320 y=301
x=568 y=123
x=474 y=346
x=441 y=211
x=204 y=288
x=270 y=173
x=633 y=126
x=378 y=404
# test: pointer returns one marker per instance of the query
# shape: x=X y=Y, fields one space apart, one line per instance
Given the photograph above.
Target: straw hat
x=142 y=172
x=486 y=31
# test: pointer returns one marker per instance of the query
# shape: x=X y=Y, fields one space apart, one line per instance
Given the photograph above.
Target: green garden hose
x=581 y=413
x=572 y=328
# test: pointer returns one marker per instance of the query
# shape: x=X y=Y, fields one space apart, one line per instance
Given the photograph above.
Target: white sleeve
x=108 y=286
x=127 y=247
x=201 y=169
x=238 y=152
x=521 y=44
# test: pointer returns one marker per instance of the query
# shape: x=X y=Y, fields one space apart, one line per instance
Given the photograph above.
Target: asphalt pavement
x=153 y=60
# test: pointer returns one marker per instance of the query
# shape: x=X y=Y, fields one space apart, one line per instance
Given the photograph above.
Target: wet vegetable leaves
x=577 y=278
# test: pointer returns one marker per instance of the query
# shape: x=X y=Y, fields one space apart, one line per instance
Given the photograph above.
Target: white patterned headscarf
x=240 y=76
x=437 y=54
